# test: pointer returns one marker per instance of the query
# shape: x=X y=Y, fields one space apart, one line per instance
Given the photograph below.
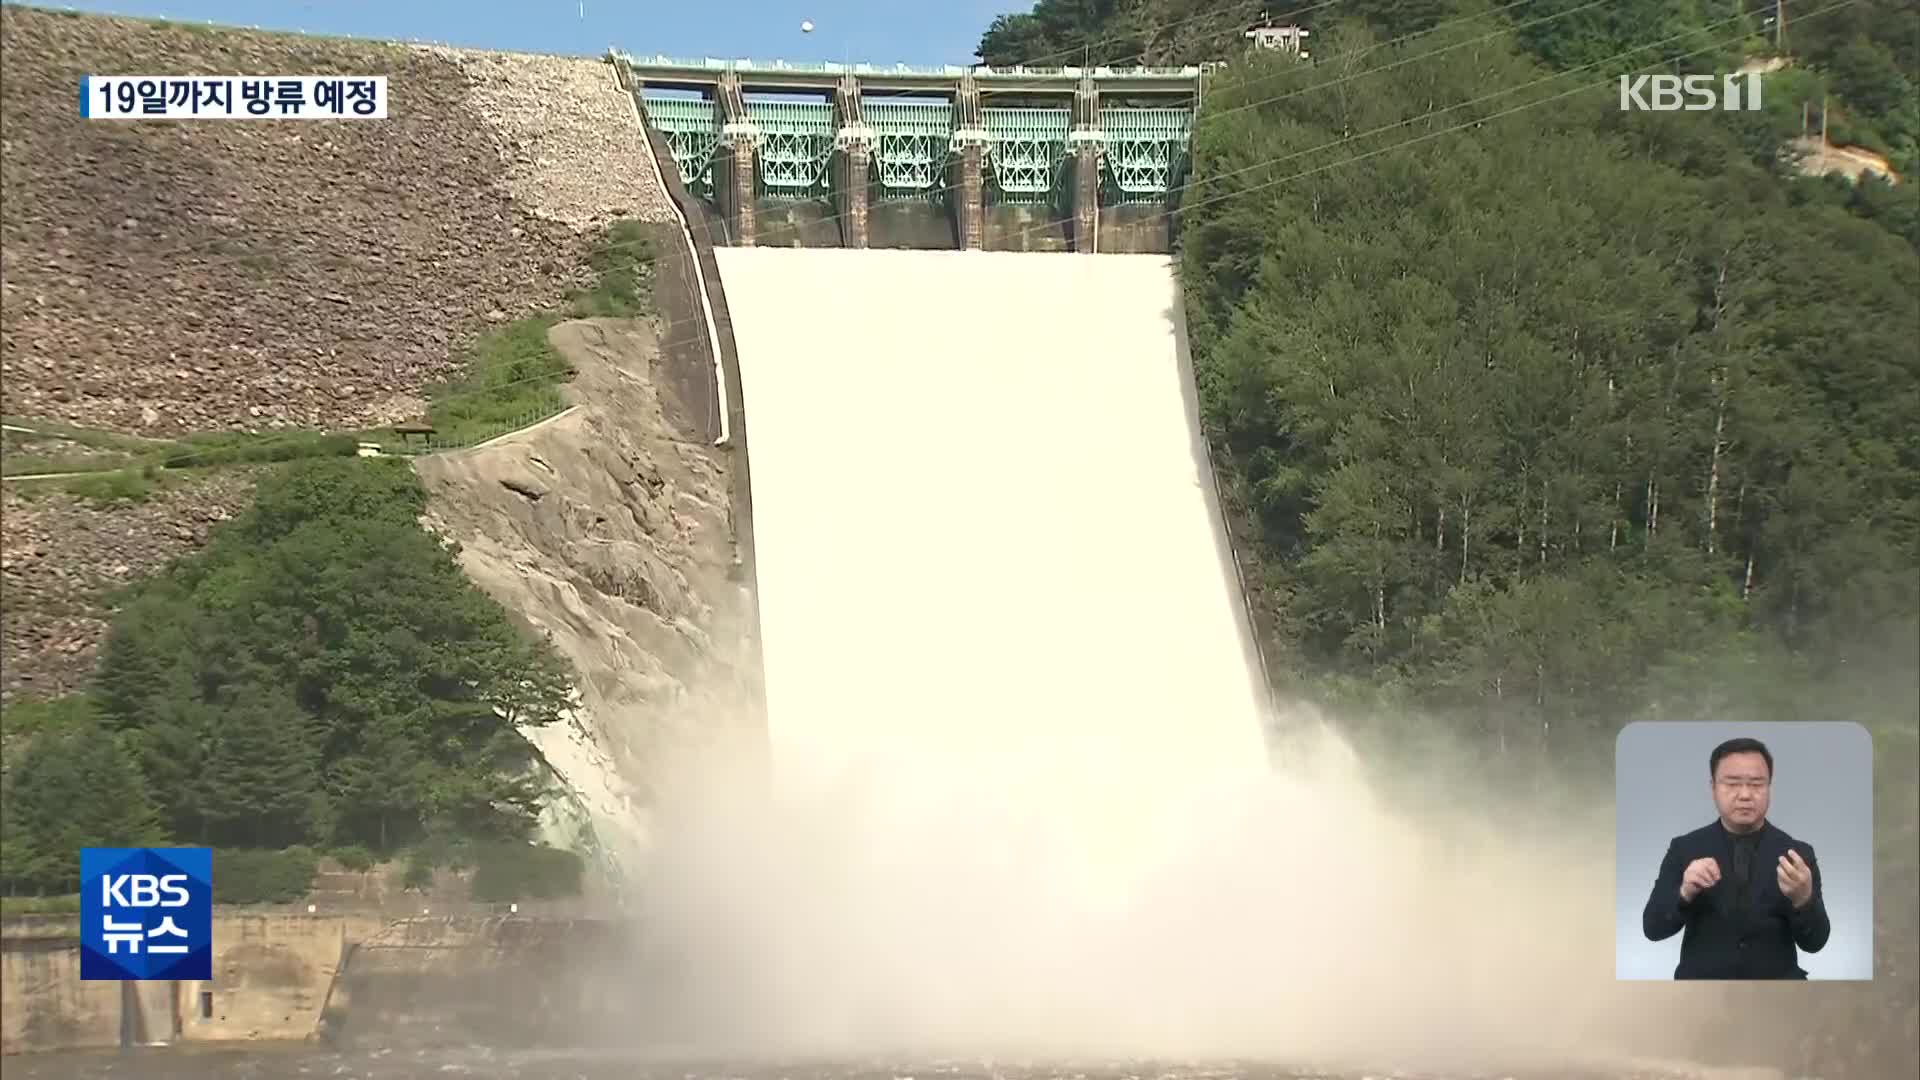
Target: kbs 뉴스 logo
x=146 y=913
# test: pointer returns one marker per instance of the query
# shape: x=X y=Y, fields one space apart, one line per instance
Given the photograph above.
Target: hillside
x=1851 y=65
x=169 y=277
x=234 y=596
x=161 y=279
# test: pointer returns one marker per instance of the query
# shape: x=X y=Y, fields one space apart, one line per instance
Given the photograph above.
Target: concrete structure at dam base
x=282 y=974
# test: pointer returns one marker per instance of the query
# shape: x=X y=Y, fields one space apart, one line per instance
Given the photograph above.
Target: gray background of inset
x=1822 y=794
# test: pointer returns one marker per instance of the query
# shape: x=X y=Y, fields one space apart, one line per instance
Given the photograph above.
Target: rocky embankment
x=610 y=528
x=175 y=277
x=60 y=556
x=166 y=278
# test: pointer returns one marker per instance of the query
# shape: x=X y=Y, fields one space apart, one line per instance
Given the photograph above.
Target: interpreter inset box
x=1743 y=851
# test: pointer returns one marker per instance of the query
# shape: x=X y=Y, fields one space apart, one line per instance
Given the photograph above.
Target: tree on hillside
x=263 y=786
x=1056 y=32
x=324 y=671
x=1518 y=410
x=74 y=787
x=1059 y=33
x=1630 y=35
x=1396 y=18
x=1575 y=416
x=380 y=787
x=1893 y=24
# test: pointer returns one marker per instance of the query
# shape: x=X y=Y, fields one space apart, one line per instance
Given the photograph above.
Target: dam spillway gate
x=1081 y=147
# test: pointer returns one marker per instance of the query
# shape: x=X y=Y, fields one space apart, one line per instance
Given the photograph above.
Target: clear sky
x=877 y=31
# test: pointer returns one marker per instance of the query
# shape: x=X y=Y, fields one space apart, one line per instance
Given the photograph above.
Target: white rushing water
x=984 y=535
x=1021 y=798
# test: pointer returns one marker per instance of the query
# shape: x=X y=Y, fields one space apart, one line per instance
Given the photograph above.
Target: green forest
x=1577 y=393
x=1858 y=58
x=1540 y=417
x=321 y=678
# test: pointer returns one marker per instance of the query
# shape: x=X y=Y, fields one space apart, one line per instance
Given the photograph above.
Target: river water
x=295 y=1062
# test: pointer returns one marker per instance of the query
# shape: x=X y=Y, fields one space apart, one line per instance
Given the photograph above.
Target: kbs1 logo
x=146 y=913
x=1689 y=93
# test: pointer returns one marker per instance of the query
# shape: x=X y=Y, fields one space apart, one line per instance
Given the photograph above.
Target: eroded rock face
x=625 y=557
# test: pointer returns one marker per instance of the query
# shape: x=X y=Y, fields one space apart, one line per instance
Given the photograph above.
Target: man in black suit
x=1745 y=892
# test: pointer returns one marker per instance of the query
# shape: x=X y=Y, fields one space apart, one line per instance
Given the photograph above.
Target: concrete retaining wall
x=271 y=975
x=492 y=982
x=277 y=974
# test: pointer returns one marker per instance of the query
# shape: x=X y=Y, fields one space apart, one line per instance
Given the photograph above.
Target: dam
x=1010 y=684
x=1015 y=796
x=973 y=158
x=1017 y=801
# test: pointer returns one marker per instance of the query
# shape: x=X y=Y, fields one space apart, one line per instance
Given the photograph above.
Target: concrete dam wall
x=925 y=226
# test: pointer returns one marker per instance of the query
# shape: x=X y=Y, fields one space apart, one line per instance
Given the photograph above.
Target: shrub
x=242 y=876
x=509 y=871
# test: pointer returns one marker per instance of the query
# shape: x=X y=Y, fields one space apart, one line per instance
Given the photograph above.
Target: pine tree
x=262 y=781
x=72 y=788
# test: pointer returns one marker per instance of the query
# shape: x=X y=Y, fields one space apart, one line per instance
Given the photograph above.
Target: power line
x=1602 y=62
x=1466 y=124
x=665 y=341
x=1013 y=87
x=1204 y=118
x=1414 y=120
x=941 y=189
x=1216 y=115
x=1239 y=20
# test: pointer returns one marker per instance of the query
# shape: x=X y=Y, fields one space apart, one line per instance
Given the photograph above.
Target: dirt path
x=1850 y=161
x=506 y=437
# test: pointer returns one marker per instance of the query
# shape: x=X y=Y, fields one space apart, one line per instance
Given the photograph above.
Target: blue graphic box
x=146 y=913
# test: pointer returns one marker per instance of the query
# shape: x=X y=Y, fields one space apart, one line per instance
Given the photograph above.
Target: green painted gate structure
x=911 y=141
x=1063 y=142
x=1144 y=155
x=692 y=130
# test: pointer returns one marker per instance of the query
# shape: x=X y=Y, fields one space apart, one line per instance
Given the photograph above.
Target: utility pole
x=1780 y=26
x=1823 y=120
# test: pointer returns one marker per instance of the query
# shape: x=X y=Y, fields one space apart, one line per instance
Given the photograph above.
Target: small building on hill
x=1280 y=36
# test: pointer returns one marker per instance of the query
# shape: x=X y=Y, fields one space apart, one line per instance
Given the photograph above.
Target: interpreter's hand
x=1701 y=875
x=1796 y=878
